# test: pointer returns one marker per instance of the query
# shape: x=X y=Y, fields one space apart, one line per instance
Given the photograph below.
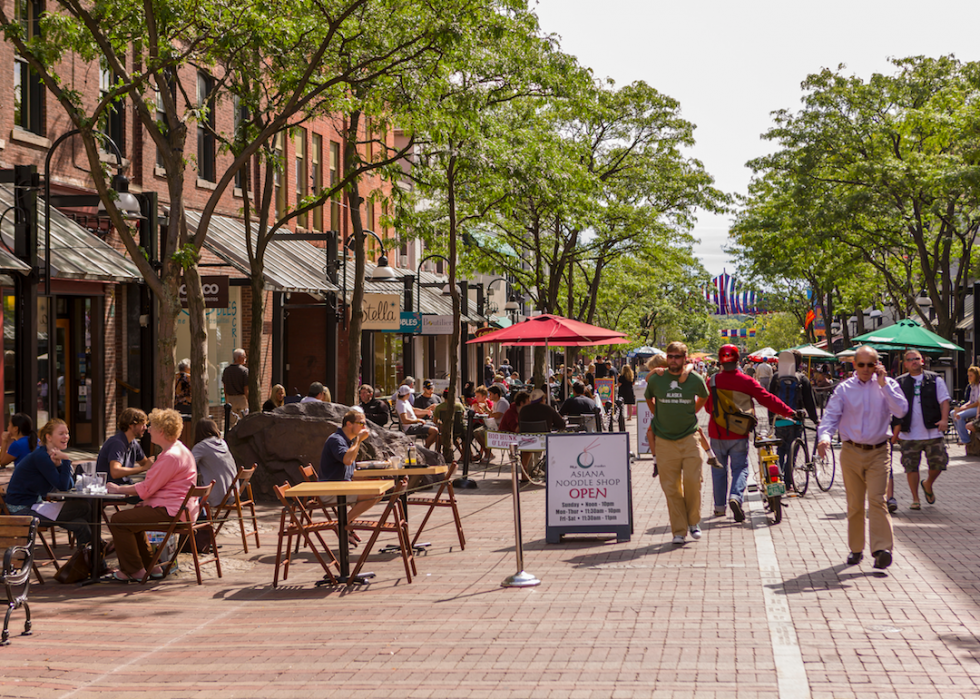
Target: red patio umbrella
x=552 y=331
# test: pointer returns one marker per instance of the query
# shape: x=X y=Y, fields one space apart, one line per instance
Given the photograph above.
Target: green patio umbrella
x=908 y=334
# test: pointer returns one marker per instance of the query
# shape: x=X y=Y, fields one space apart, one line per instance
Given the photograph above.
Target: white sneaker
x=678 y=540
x=695 y=532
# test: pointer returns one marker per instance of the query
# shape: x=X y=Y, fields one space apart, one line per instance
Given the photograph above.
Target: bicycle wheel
x=801 y=474
x=536 y=468
x=776 y=507
x=824 y=469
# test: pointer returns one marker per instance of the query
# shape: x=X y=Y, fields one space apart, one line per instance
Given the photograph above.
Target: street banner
x=588 y=485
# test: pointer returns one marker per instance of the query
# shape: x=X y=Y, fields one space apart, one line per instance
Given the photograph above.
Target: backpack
x=727 y=414
x=788 y=390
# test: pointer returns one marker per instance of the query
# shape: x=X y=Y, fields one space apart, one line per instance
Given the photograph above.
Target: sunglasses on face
x=863 y=365
x=676 y=356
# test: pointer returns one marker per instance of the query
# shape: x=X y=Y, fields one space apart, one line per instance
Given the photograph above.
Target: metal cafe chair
x=17 y=545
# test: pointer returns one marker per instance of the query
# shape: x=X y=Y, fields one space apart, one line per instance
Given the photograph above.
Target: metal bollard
x=521 y=578
x=465 y=482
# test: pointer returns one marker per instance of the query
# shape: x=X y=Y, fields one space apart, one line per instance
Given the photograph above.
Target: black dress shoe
x=854 y=558
x=883 y=559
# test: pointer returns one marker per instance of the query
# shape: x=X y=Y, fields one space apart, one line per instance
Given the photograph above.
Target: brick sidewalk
x=637 y=619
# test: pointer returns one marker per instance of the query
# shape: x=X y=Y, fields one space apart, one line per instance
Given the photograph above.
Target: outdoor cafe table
x=341 y=490
x=96 y=501
x=395 y=472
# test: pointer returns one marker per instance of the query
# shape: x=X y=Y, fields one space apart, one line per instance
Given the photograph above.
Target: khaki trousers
x=680 y=468
x=865 y=476
x=238 y=404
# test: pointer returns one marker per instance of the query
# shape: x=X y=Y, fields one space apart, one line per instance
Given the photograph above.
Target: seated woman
x=46 y=469
x=162 y=493
x=214 y=460
x=276 y=399
x=18 y=441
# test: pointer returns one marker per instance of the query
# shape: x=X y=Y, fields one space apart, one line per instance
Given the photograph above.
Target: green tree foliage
x=886 y=168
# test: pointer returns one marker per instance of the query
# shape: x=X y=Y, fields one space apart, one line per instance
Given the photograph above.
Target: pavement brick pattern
x=638 y=619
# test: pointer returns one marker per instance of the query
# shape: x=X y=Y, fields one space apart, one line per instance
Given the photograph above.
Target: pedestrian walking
x=730 y=398
x=921 y=430
x=861 y=410
x=675 y=426
x=235 y=381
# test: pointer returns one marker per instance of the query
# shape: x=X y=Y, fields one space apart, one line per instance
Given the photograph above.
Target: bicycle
x=616 y=413
x=770 y=478
x=823 y=469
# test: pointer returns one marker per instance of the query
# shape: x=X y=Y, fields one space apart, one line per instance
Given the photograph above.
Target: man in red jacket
x=730 y=447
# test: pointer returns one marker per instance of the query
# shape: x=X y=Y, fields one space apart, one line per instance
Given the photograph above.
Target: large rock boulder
x=292 y=436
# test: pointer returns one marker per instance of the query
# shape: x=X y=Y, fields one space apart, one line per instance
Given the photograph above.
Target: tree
x=892 y=162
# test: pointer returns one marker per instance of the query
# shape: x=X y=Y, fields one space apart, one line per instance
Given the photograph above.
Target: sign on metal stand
x=588 y=485
x=521 y=578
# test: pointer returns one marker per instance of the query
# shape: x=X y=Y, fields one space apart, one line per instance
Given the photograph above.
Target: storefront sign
x=480 y=332
x=380 y=312
x=409 y=323
x=588 y=485
x=437 y=325
x=215 y=292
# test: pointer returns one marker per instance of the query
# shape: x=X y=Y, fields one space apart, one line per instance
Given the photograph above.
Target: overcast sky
x=732 y=63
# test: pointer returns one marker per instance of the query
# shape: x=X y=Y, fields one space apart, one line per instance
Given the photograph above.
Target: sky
x=730 y=64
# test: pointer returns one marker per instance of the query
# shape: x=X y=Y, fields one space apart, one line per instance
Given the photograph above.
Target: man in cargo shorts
x=921 y=430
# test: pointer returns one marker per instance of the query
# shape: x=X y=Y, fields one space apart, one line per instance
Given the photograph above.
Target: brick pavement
x=637 y=619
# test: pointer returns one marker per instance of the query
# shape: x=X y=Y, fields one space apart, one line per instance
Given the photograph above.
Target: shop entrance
x=66 y=365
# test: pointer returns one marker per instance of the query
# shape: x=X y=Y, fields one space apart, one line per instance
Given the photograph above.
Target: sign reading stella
x=380 y=312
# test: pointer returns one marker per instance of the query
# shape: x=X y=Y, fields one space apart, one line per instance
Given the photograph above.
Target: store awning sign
x=409 y=323
x=437 y=325
x=215 y=292
x=381 y=312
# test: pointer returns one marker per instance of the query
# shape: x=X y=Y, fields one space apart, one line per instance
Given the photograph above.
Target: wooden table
x=341 y=490
x=96 y=503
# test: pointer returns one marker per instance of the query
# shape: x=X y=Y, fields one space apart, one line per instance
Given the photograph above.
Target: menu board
x=588 y=485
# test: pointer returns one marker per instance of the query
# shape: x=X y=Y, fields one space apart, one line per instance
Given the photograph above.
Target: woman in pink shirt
x=162 y=493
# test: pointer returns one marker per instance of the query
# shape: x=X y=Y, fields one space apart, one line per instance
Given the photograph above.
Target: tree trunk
x=257 y=320
x=357 y=299
x=199 y=344
x=169 y=309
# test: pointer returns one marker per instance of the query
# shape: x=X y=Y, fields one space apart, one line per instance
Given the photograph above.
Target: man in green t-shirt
x=675 y=425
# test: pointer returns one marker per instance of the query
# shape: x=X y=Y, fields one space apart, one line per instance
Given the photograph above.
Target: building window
x=28 y=88
x=301 y=175
x=334 y=177
x=241 y=117
x=278 y=188
x=111 y=123
x=316 y=160
x=206 y=165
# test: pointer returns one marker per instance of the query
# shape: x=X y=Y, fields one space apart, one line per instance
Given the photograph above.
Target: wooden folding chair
x=445 y=496
x=51 y=560
x=300 y=524
x=17 y=544
x=182 y=524
x=240 y=487
x=392 y=520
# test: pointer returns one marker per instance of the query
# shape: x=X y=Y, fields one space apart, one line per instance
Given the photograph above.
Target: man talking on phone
x=861 y=409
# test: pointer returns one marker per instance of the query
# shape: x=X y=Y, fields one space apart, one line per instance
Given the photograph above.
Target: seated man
x=510 y=422
x=428 y=399
x=121 y=456
x=500 y=404
x=411 y=420
x=537 y=410
x=375 y=409
x=448 y=416
x=339 y=457
x=317 y=392
x=578 y=403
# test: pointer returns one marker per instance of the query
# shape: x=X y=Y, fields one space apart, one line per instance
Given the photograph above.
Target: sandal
x=117 y=576
x=915 y=506
x=930 y=496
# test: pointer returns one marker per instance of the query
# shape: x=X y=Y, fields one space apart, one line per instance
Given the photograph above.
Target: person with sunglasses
x=921 y=430
x=339 y=456
x=675 y=405
x=861 y=410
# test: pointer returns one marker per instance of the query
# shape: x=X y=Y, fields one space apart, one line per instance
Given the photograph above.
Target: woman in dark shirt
x=45 y=469
x=626 y=392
